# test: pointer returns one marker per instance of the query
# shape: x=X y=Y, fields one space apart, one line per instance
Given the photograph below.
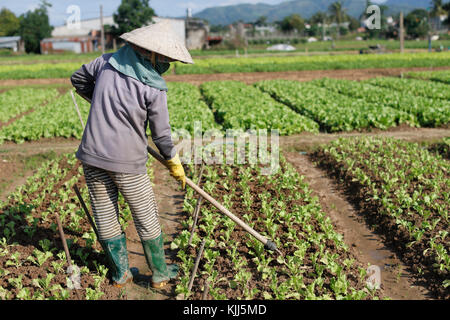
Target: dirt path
x=396 y=279
x=170 y=205
x=251 y=77
x=307 y=141
x=299 y=142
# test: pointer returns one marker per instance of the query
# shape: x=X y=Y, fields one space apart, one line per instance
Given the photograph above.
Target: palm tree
x=438 y=8
x=338 y=14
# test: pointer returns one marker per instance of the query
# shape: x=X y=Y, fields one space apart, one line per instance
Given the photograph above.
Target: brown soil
x=252 y=77
x=249 y=78
x=397 y=279
x=12 y=175
x=299 y=142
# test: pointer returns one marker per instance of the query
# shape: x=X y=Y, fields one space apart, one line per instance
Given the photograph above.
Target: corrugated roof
x=9 y=39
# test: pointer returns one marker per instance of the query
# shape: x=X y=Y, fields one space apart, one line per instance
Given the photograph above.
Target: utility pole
x=429 y=30
x=323 y=29
x=402 y=33
x=102 y=30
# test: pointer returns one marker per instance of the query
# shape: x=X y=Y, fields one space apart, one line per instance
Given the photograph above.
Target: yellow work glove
x=176 y=169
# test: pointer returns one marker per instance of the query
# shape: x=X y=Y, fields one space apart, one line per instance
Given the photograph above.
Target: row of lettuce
x=46 y=70
x=291 y=107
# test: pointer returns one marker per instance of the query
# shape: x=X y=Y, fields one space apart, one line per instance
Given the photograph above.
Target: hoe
x=268 y=244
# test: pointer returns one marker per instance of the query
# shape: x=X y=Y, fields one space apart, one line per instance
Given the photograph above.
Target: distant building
x=14 y=43
x=86 y=38
x=197 y=34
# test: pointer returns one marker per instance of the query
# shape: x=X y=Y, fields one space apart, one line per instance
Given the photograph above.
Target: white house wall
x=86 y=26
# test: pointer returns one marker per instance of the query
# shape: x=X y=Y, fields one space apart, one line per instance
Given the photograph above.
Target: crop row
x=405 y=191
x=323 y=62
x=315 y=262
x=438 y=76
x=239 y=106
x=186 y=106
x=333 y=111
x=56 y=119
x=19 y=100
x=429 y=89
x=429 y=112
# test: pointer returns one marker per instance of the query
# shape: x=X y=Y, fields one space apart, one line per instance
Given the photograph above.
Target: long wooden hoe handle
x=266 y=242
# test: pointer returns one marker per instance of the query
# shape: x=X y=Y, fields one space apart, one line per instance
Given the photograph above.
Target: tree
x=354 y=24
x=132 y=14
x=9 y=23
x=35 y=26
x=338 y=14
x=318 y=18
x=261 y=21
x=438 y=8
x=416 y=23
x=291 y=23
x=446 y=7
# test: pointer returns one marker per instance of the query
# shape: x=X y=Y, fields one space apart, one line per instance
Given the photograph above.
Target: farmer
x=127 y=93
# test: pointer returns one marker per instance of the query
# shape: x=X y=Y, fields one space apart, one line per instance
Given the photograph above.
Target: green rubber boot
x=156 y=259
x=117 y=254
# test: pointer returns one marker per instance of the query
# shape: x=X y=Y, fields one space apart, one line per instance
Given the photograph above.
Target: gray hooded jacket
x=115 y=136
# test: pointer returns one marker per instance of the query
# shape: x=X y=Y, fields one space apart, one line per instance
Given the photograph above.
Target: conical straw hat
x=160 y=38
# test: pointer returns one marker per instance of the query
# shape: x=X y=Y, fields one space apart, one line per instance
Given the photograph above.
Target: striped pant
x=104 y=187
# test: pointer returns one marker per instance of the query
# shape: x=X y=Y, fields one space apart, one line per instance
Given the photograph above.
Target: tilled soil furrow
x=397 y=280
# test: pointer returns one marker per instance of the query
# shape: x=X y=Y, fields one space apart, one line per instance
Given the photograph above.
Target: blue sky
x=90 y=8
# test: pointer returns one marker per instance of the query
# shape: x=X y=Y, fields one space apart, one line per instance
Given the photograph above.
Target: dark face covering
x=161 y=67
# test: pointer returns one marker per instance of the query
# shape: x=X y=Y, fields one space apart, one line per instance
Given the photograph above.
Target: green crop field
x=399 y=190
x=437 y=76
x=406 y=189
x=43 y=69
x=322 y=62
x=333 y=111
x=429 y=112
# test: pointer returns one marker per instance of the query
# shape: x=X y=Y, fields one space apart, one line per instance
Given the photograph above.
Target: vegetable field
x=238 y=106
x=324 y=62
x=16 y=101
x=399 y=190
x=333 y=111
x=33 y=265
x=404 y=190
x=316 y=264
x=49 y=70
x=437 y=76
x=429 y=112
x=57 y=118
x=291 y=107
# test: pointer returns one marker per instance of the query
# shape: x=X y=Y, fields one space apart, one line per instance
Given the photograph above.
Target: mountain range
x=225 y=15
